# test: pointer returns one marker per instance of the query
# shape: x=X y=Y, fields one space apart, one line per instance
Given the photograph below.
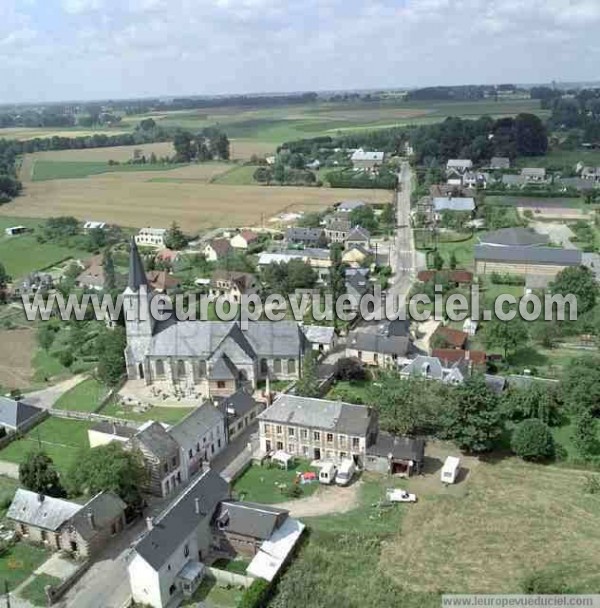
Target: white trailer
x=450 y=469
x=345 y=472
x=327 y=473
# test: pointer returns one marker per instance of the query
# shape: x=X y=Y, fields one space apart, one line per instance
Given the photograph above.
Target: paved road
x=47 y=397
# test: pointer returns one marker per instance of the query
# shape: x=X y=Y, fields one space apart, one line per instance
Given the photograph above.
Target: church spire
x=137 y=274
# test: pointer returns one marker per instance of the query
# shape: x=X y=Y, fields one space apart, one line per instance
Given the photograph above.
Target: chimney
x=149 y=523
x=91 y=520
x=41 y=497
x=197 y=505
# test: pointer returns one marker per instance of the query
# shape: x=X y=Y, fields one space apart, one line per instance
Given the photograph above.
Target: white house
x=362 y=159
x=151 y=237
x=243 y=239
x=168 y=560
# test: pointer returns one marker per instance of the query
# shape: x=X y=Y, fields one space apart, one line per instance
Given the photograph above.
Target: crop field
x=138 y=199
x=25 y=133
x=18 y=346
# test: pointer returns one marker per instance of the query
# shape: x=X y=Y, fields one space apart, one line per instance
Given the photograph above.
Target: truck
x=327 y=473
x=345 y=472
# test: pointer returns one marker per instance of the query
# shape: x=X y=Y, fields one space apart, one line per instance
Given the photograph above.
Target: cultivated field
x=24 y=133
x=140 y=199
x=18 y=345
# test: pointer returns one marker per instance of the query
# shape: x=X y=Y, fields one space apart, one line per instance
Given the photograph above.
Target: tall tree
x=506 y=334
x=579 y=281
x=37 y=473
x=308 y=384
x=337 y=275
x=108 y=265
x=580 y=385
x=111 y=358
x=174 y=238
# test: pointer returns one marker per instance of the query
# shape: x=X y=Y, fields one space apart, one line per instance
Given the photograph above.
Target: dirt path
x=324 y=501
x=47 y=397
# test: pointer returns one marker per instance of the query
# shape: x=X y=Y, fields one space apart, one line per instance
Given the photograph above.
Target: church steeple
x=137 y=274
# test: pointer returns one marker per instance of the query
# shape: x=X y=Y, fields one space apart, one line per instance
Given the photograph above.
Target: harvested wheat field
x=159 y=198
x=514 y=519
x=18 y=346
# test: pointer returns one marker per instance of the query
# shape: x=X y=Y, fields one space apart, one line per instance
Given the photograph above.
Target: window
x=190 y=453
x=291 y=366
x=181 y=368
x=280 y=445
x=277 y=366
x=317 y=436
x=202 y=368
x=290 y=431
x=303 y=433
x=329 y=437
x=220 y=384
x=267 y=428
x=355 y=443
x=264 y=367
x=342 y=455
x=160 y=369
x=174 y=461
x=278 y=429
x=342 y=440
x=218 y=443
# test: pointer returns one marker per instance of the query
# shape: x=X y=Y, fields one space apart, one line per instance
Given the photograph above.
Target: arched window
x=159 y=367
x=181 y=373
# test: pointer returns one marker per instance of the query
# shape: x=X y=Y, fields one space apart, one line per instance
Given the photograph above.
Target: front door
x=317 y=453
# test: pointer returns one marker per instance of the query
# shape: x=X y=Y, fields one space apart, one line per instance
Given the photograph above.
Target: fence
x=27 y=426
x=54 y=593
x=91 y=416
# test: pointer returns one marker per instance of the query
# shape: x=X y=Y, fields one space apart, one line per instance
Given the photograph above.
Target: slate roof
x=201 y=338
x=459 y=163
x=533 y=172
x=361 y=154
x=513 y=237
x=338 y=221
x=137 y=274
x=157 y=441
x=376 y=342
x=529 y=255
x=111 y=428
x=240 y=402
x=430 y=367
x=403 y=448
x=41 y=511
x=513 y=180
x=495 y=383
x=358 y=233
x=500 y=162
x=223 y=369
x=199 y=422
x=299 y=233
x=13 y=414
x=249 y=518
x=346 y=206
x=105 y=508
x=334 y=416
x=318 y=334
x=457 y=203
x=180 y=519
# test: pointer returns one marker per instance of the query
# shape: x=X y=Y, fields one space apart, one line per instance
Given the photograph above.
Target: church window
x=291 y=366
x=277 y=366
x=264 y=367
x=181 y=368
x=160 y=369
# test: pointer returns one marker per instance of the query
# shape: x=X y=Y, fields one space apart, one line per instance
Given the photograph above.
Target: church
x=203 y=358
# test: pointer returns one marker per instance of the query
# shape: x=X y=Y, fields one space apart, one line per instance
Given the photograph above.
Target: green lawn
x=463 y=251
x=351 y=391
x=34 y=591
x=168 y=415
x=85 y=397
x=238 y=176
x=48 y=367
x=531 y=201
x=260 y=484
x=61 y=439
x=44 y=170
x=8 y=487
x=23 y=254
x=214 y=596
x=19 y=562
x=560 y=159
x=238 y=566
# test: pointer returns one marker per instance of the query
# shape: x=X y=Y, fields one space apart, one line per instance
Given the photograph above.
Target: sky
x=53 y=50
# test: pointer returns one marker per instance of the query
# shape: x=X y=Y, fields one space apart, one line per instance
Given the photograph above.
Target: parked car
x=327 y=473
x=398 y=495
x=345 y=472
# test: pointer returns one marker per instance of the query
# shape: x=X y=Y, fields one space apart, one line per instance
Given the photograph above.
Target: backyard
x=214 y=595
x=19 y=561
x=167 y=414
x=84 y=397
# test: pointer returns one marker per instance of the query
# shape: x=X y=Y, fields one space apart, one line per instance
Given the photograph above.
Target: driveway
x=326 y=500
x=47 y=397
x=558 y=233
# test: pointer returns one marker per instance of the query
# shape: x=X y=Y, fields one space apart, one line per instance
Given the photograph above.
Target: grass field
x=19 y=562
x=84 y=397
x=260 y=484
x=532 y=201
x=35 y=592
x=60 y=438
x=238 y=176
x=168 y=415
x=8 y=487
x=560 y=159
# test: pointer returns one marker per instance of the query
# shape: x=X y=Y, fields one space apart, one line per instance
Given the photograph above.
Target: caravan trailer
x=450 y=469
x=345 y=472
x=327 y=473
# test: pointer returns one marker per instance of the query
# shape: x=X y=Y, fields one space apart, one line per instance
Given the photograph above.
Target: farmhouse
x=151 y=237
x=217 y=249
x=358 y=236
x=449 y=203
x=203 y=357
x=457 y=167
x=367 y=160
x=232 y=285
x=544 y=261
x=357 y=282
x=533 y=174
x=243 y=239
x=513 y=237
x=431 y=368
x=349 y=206
x=356 y=256
x=62 y=525
x=307 y=237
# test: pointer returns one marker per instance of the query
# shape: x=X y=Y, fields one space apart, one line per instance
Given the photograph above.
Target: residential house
x=321 y=338
x=243 y=239
x=432 y=368
x=365 y=160
x=36 y=282
x=240 y=410
x=499 y=163
x=160 y=281
x=151 y=237
x=457 y=167
x=337 y=227
x=524 y=261
x=451 y=191
x=348 y=206
x=513 y=237
x=232 y=285
x=446 y=337
x=358 y=236
x=590 y=173
x=168 y=561
x=356 y=256
x=381 y=345
x=63 y=525
x=17 y=416
x=307 y=237
x=217 y=249
x=104 y=432
x=357 y=282
x=201 y=435
x=161 y=457
x=449 y=203
x=534 y=174
x=450 y=356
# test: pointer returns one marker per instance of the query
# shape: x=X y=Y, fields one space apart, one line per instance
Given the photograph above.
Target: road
x=47 y=397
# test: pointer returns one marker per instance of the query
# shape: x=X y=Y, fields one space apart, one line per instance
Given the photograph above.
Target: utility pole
x=7 y=594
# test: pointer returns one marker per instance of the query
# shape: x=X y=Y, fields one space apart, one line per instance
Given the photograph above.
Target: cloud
x=124 y=48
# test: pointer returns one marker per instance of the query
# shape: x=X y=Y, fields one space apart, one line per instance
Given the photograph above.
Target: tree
x=364 y=216
x=438 y=260
x=506 y=334
x=579 y=281
x=585 y=436
x=174 y=237
x=337 y=275
x=45 y=335
x=472 y=418
x=538 y=401
x=37 y=473
x=531 y=137
x=110 y=345
x=532 y=440
x=308 y=384
x=350 y=369
x=453 y=261
x=580 y=385
x=182 y=142
x=110 y=282
x=109 y=468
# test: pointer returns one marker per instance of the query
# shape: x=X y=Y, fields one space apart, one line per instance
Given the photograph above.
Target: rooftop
x=513 y=237
x=530 y=255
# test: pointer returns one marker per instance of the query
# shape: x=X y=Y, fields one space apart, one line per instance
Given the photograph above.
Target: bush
x=348 y=368
x=591 y=484
x=532 y=440
x=256 y=595
x=544 y=583
x=65 y=357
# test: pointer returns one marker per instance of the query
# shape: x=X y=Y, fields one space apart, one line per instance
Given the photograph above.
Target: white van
x=450 y=469
x=345 y=472
x=327 y=473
